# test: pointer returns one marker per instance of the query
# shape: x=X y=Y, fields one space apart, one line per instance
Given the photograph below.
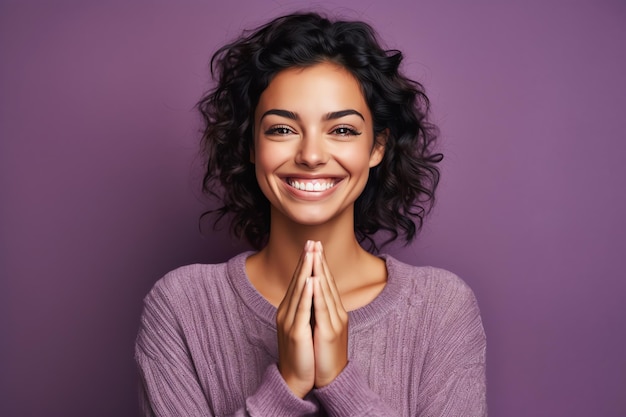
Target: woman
x=317 y=142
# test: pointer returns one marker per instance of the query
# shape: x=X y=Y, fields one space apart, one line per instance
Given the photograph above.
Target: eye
x=345 y=131
x=280 y=130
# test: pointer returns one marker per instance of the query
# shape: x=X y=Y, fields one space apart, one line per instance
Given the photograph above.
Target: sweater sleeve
x=349 y=395
x=453 y=378
x=169 y=382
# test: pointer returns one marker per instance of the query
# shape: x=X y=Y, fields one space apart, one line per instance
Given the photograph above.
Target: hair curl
x=400 y=190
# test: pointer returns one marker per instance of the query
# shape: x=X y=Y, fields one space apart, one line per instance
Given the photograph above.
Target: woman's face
x=313 y=143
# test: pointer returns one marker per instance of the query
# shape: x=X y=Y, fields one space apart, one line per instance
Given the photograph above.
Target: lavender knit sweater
x=207 y=347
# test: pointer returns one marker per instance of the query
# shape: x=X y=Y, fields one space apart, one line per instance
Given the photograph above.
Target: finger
x=324 y=304
x=320 y=307
x=303 y=312
x=296 y=272
x=332 y=285
x=336 y=312
x=296 y=356
x=326 y=315
x=336 y=317
x=299 y=280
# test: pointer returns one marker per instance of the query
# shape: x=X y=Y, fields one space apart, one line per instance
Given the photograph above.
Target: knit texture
x=207 y=346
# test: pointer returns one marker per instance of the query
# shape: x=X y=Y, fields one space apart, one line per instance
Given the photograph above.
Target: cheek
x=269 y=156
x=355 y=158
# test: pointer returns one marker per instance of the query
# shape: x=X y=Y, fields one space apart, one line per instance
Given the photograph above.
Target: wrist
x=322 y=381
x=298 y=387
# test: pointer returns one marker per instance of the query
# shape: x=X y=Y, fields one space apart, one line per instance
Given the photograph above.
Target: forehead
x=314 y=90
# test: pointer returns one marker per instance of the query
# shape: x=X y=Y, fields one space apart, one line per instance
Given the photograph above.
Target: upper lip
x=309 y=177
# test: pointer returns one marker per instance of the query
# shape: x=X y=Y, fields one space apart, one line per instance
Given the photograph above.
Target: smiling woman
x=317 y=143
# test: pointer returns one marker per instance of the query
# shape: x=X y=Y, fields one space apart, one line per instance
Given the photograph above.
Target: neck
x=359 y=275
x=287 y=241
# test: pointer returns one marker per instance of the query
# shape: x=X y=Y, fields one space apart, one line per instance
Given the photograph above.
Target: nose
x=311 y=151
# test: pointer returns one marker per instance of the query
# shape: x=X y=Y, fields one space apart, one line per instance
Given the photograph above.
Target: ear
x=252 y=156
x=378 y=151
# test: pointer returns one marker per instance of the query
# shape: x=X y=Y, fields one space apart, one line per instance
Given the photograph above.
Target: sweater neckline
x=378 y=308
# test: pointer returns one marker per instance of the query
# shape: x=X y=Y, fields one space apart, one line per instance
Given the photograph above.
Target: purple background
x=99 y=186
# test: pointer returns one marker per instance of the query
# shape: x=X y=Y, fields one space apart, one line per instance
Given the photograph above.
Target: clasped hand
x=311 y=353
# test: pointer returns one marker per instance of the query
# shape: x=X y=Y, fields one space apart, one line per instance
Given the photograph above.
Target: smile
x=311 y=185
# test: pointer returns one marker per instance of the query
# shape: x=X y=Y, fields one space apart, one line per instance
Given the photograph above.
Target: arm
x=452 y=382
x=453 y=379
x=170 y=385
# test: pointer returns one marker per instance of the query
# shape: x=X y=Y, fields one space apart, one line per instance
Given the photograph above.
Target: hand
x=330 y=336
x=296 y=361
x=309 y=357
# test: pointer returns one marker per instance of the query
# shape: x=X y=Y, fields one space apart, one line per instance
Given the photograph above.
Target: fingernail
x=308 y=245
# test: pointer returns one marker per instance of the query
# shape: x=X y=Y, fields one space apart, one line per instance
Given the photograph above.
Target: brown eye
x=346 y=131
x=279 y=130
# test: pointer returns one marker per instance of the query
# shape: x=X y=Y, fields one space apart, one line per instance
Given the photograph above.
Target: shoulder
x=427 y=281
x=185 y=304
x=185 y=280
x=441 y=296
x=176 y=299
x=193 y=286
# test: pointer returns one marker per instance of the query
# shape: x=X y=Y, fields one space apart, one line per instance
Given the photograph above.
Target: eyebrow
x=342 y=113
x=283 y=113
x=294 y=116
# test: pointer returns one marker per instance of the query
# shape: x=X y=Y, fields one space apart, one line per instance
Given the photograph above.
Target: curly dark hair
x=400 y=190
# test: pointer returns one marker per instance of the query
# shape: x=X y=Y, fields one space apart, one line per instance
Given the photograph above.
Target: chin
x=312 y=218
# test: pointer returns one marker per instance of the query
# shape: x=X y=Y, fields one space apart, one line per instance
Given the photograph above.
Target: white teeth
x=309 y=186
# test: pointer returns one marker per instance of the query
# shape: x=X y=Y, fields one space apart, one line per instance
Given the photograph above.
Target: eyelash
x=282 y=130
x=347 y=131
x=276 y=130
